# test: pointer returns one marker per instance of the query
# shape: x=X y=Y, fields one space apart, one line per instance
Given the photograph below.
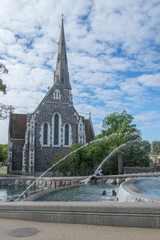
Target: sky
x=113 y=51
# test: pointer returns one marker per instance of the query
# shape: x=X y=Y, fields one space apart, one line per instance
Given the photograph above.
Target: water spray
x=76 y=150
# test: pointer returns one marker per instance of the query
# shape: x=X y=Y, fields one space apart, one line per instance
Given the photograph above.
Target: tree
x=156 y=147
x=4 y=109
x=63 y=167
x=146 y=146
x=3 y=153
x=136 y=155
x=3 y=70
x=118 y=130
x=121 y=127
x=119 y=123
x=86 y=160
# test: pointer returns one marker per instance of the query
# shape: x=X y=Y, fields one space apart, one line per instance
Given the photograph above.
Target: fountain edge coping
x=146 y=215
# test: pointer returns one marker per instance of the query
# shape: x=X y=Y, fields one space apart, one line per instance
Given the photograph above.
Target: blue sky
x=113 y=50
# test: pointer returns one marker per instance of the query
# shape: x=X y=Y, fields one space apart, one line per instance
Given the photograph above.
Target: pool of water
x=87 y=192
x=7 y=192
x=149 y=186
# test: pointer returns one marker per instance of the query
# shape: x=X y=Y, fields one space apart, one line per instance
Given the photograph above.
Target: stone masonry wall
x=17 y=154
x=49 y=106
x=44 y=158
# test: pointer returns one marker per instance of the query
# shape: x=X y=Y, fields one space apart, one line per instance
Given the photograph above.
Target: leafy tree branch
x=3 y=70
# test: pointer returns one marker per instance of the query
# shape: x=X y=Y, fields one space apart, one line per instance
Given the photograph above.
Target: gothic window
x=56 y=129
x=56 y=94
x=45 y=134
x=66 y=134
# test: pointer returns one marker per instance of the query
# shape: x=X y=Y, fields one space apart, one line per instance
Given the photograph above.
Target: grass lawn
x=3 y=171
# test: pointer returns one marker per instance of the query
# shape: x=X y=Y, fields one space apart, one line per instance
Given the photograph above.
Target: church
x=34 y=139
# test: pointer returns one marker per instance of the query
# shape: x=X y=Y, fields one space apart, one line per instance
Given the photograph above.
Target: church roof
x=18 y=124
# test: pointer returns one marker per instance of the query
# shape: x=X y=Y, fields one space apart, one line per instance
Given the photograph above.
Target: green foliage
x=3 y=171
x=2 y=87
x=4 y=109
x=3 y=153
x=136 y=155
x=3 y=69
x=156 y=147
x=146 y=146
x=86 y=160
x=119 y=123
x=64 y=166
x=111 y=166
x=118 y=129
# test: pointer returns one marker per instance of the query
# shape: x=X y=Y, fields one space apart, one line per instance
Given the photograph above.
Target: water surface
x=149 y=186
x=87 y=192
x=7 y=192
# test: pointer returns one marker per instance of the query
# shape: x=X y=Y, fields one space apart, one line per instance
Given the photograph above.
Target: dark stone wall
x=45 y=157
x=17 y=155
x=44 y=113
x=27 y=160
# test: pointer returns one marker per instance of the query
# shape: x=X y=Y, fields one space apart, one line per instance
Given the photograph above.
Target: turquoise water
x=88 y=192
x=81 y=193
x=149 y=186
x=7 y=192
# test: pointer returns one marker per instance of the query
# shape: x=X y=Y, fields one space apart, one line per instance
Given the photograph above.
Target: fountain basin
x=146 y=215
x=126 y=214
x=78 y=193
x=140 y=190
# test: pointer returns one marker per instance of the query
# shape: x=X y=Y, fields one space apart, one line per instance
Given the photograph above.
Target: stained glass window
x=67 y=134
x=56 y=129
x=45 y=134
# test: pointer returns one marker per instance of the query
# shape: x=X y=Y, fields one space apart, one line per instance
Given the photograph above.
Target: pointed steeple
x=61 y=75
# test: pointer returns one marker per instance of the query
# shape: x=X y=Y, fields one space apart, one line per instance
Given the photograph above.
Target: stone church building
x=52 y=128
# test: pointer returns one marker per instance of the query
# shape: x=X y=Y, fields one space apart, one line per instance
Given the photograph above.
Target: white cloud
x=7 y=36
x=151 y=80
x=113 y=55
x=132 y=87
x=4 y=131
x=147 y=116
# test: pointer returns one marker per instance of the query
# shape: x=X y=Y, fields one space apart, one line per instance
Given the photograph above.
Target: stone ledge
x=146 y=215
x=128 y=192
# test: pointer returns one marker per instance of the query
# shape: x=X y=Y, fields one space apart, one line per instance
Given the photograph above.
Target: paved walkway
x=15 y=229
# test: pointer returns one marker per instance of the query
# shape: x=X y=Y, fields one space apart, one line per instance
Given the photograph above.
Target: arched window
x=57 y=95
x=56 y=129
x=45 y=134
x=66 y=136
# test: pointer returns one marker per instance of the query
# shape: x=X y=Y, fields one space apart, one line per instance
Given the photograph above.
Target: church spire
x=61 y=76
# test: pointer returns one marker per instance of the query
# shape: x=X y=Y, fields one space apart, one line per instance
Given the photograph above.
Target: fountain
x=146 y=215
x=107 y=158
x=144 y=189
x=79 y=193
x=83 y=146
